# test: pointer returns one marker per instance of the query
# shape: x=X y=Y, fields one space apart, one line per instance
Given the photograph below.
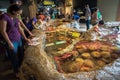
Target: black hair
x=95 y=9
x=14 y=8
x=13 y=1
x=101 y=22
x=1 y=12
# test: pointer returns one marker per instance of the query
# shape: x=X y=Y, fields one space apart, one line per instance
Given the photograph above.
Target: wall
x=118 y=12
x=81 y=3
x=109 y=9
x=4 y=4
x=68 y=7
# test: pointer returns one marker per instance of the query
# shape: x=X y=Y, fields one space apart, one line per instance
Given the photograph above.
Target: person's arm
x=23 y=34
x=3 y=25
x=96 y=16
x=23 y=26
x=35 y=24
x=78 y=19
x=96 y=29
x=90 y=12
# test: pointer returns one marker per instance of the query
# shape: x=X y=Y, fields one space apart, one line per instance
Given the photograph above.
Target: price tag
x=60 y=42
x=75 y=34
x=50 y=44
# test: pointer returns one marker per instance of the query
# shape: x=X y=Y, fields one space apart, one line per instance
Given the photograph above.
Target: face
x=20 y=12
x=87 y=6
x=17 y=13
x=18 y=2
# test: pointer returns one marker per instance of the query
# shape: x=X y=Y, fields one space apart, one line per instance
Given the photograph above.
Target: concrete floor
x=6 y=72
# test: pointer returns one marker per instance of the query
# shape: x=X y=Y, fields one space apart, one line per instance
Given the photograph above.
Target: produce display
x=87 y=56
x=61 y=53
x=59 y=39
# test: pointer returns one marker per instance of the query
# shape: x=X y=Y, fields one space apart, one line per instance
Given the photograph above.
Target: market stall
x=66 y=54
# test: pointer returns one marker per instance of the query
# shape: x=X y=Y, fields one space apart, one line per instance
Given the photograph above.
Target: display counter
x=42 y=63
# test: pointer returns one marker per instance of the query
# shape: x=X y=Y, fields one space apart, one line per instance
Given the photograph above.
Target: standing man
x=87 y=16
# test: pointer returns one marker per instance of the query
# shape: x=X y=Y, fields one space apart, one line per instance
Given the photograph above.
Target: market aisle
x=6 y=72
x=83 y=27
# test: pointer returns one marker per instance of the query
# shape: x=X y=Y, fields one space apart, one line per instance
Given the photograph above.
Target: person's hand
x=31 y=34
x=28 y=40
x=11 y=46
x=99 y=34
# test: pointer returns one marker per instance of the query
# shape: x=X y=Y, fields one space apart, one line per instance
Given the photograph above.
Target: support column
x=30 y=8
x=118 y=12
x=68 y=6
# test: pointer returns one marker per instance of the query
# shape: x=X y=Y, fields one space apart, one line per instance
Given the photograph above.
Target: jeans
x=88 y=24
x=16 y=55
